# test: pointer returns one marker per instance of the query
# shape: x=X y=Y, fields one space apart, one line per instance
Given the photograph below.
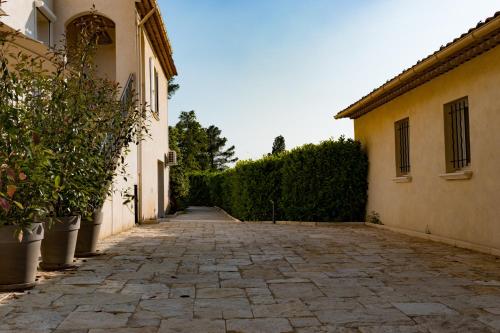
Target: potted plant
x=98 y=129
x=116 y=121
x=23 y=168
x=20 y=205
x=99 y=184
x=68 y=129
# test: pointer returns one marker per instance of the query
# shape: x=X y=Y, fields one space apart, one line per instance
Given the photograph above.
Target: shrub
x=24 y=162
x=374 y=218
x=325 y=182
x=253 y=185
x=179 y=180
x=199 y=191
x=98 y=126
x=64 y=131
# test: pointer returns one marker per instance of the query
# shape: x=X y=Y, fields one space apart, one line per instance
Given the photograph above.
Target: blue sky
x=261 y=68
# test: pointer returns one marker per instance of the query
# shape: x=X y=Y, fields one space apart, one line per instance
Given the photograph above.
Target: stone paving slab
x=424 y=309
x=259 y=325
x=195 y=325
x=203 y=272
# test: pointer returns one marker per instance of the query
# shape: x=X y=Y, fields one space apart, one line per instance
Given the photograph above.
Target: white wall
x=21 y=16
x=155 y=148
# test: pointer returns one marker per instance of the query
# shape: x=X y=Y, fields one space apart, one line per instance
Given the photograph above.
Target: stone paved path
x=204 y=273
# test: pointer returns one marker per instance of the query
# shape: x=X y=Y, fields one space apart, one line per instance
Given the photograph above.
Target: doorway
x=161 y=189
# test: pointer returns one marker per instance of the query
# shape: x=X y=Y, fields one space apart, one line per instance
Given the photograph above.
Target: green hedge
x=325 y=182
x=199 y=192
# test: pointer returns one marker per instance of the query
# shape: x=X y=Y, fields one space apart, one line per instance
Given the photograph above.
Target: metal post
x=274 y=217
x=136 y=205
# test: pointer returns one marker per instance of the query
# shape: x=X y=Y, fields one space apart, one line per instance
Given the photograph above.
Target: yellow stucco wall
x=464 y=210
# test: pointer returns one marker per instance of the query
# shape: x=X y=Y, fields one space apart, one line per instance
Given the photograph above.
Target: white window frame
x=156 y=92
x=151 y=85
x=154 y=102
x=49 y=15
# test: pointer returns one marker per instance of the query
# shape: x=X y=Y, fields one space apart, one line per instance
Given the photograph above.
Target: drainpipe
x=140 y=89
x=142 y=98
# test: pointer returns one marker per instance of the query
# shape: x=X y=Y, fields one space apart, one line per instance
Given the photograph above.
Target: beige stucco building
x=137 y=52
x=432 y=135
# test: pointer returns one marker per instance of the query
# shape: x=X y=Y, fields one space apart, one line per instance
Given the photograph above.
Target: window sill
x=402 y=179
x=458 y=175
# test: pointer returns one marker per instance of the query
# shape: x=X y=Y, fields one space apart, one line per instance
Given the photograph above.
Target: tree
x=192 y=141
x=217 y=158
x=172 y=87
x=278 y=145
x=198 y=149
x=179 y=181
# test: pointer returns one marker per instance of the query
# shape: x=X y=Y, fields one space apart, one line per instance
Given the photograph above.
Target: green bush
x=64 y=131
x=253 y=186
x=199 y=191
x=325 y=182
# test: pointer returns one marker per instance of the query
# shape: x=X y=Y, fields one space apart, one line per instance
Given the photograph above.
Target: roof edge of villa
x=156 y=30
x=483 y=37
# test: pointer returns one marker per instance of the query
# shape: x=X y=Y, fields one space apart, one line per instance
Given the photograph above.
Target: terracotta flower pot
x=88 y=235
x=58 y=246
x=19 y=258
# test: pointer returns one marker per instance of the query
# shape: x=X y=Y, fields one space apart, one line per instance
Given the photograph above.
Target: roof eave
x=156 y=30
x=410 y=74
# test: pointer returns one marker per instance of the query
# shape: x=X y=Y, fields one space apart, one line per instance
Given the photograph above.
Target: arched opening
x=105 y=57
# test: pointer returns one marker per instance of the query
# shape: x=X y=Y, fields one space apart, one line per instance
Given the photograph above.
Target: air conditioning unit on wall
x=171 y=158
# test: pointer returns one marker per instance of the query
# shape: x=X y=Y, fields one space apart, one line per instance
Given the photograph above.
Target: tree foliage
x=172 y=87
x=179 y=181
x=325 y=182
x=192 y=140
x=278 y=145
x=25 y=185
x=198 y=149
x=217 y=157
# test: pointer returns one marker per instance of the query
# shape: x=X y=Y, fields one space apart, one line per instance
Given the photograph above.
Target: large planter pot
x=58 y=246
x=88 y=235
x=19 y=258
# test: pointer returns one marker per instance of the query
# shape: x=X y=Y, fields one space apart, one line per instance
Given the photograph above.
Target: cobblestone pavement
x=204 y=273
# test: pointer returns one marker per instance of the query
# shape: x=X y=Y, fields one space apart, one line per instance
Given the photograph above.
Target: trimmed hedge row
x=324 y=182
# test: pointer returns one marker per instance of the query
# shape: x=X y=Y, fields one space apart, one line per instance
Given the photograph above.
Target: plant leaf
x=11 y=190
x=4 y=204
x=11 y=174
x=19 y=236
